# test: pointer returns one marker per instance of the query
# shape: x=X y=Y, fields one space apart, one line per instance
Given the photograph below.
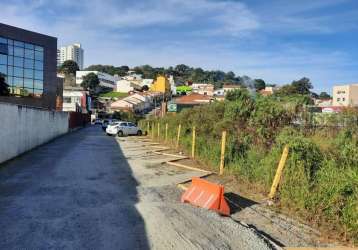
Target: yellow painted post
x=193 y=143
x=178 y=136
x=279 y=171
x=166 y=132
x=158 y=130
x=222 y=156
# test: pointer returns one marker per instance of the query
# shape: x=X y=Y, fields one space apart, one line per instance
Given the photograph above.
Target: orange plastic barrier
x=207 y=195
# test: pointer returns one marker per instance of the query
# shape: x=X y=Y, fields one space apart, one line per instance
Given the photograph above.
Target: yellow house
x=161 y=85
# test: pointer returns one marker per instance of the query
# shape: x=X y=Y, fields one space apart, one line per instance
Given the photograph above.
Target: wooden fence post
x=158 y=130
x=178 y=136
x=222 y=156
x=279 y=171
x=193 y=143
x=166 y=132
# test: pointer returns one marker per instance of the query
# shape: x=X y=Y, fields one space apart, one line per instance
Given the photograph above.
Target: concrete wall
x=23 y=128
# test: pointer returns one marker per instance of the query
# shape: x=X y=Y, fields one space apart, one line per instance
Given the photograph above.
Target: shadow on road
x=77 y=192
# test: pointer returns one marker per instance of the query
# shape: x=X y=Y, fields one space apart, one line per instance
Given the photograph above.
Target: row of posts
x=223 y=141
x=279 y=170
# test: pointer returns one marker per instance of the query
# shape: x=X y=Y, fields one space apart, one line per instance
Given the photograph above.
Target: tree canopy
x=109 y=69
x=182 y=73
x=69 y=67
x=90 y=82
x=324 y=95
x=259 y=84
x=300 y=87
x=4 y=87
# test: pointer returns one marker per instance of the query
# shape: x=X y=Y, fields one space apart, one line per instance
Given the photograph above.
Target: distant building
x=323 y=103
x=173 y=87
x=76 y=100
x=28 y=61
x=203 y=89
x=230 y=87
x=71 y=52
x=191 y=100
x=126 y=86
x=105 y=80
x=161 y=85
x=267 y=91
x=345 y=95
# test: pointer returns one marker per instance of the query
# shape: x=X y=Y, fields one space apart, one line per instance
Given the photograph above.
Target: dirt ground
x=171 y=224
x=249 y=206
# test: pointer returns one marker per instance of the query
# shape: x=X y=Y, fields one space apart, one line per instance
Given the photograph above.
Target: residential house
x=76 y=100
x=145 y=98
x=203 y=89
x=161 y=85
x=230 y=87
x=194 y=99
x=124 y=86
x=267 y=91
x=322 y=103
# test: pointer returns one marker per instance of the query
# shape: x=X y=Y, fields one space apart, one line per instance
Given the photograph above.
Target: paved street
x=87 y=190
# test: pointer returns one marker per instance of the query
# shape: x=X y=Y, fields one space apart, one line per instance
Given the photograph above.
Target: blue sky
x=278 y=40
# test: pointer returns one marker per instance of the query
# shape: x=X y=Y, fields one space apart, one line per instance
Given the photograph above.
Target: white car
x=123 y=128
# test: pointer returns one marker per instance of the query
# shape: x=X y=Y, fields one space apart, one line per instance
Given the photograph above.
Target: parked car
x=106 y=122
x=98 y=121
x=123 y=128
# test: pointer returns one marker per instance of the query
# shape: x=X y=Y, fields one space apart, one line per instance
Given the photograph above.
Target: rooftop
x=193 y=99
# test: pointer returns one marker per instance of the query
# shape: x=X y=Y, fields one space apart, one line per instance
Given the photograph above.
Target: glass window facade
x=23 y=66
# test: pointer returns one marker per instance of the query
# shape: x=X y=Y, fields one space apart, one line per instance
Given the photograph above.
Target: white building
x=173 y=88
x=71 y=52
x=203 y=89
x=105 y=80
x=75 y=101
x=124 y=86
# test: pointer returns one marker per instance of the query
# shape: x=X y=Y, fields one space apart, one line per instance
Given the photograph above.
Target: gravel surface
x=87 y=190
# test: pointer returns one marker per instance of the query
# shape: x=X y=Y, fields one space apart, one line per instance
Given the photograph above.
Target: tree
x=302 y=86
x=324 y=95
x=69 y=67
x=4 y=87
x=229 y=77
x=259 y=84
x=237 y=94
x=90 y=82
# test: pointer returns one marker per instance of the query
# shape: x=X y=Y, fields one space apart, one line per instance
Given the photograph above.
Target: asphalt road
x=87 y=190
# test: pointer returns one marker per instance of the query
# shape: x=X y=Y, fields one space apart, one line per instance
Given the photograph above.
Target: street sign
x=172 y=107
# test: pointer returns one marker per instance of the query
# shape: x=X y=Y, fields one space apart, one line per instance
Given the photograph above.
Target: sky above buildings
x=278 y=41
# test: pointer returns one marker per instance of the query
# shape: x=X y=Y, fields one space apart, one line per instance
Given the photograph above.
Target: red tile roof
x=193 y=98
